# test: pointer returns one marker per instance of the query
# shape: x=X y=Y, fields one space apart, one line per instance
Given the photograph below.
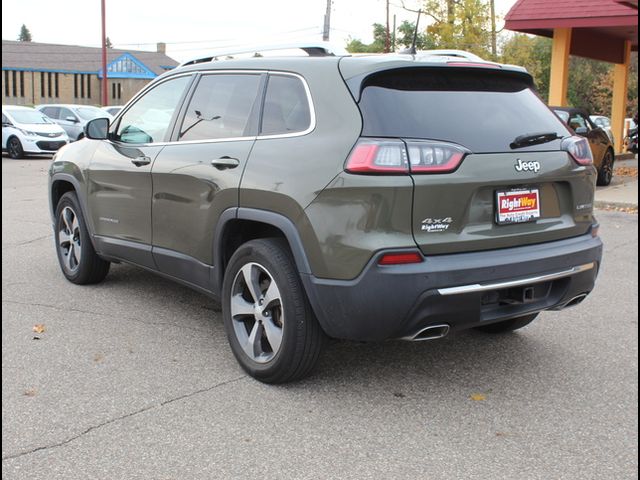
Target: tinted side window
x=64 y=113
x=578 y=121
x=148 y=120
x=286 y=107
x=220 y=107
x=52 y=112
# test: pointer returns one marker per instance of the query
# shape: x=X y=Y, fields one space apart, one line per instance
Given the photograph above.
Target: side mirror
x=582 y=130
x=97 y=129
x=71 y=119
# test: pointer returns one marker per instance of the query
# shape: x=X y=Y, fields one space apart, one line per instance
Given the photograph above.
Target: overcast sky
x=193 y=27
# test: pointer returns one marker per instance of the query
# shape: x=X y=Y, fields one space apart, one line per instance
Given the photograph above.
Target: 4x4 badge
x=434 y=225
x=521 y=166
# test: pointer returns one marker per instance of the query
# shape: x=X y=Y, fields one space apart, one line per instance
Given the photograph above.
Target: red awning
x=600 y=27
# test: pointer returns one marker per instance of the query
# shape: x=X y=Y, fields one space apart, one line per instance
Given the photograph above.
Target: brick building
x=35 y=73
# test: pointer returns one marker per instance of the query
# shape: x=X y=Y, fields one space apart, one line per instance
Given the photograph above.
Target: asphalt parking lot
x=133 y=379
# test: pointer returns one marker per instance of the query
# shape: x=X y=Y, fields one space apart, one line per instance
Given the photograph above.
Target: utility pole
x=494 y=47
x=387 y=37
x=105 y=99
x=393 y=36
x=327 y=22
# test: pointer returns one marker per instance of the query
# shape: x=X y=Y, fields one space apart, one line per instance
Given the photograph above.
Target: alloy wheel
x=69 y=242
x=257 y=313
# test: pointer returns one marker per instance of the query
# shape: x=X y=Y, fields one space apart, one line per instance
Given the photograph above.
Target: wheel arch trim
x=80 y=194
x=273 y=219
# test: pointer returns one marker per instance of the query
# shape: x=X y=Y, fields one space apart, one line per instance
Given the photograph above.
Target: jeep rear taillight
x=387 y=156
x=579 y=149
x=378 y=156
x=434 y=157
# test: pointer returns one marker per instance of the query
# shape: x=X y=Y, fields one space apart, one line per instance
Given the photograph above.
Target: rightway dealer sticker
x=518 y=206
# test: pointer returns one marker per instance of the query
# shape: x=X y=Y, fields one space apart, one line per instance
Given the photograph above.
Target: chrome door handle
x=141 y=161
x=224 y=163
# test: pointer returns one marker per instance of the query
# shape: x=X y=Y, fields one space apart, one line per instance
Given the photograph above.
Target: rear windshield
x=483 y=111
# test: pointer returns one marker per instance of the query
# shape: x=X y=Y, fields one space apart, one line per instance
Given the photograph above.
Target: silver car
x=73 y=118
x=604 y=123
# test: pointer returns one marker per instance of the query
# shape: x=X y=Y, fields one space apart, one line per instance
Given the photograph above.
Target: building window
x=57 y=85
x=42 y=84
x=14 y=86
x=88 y=86
x=125 y=65
x=116 y=91
x=82 y=86
x=49 y=84
x=22 y=84
x=6 y=83
x=75 y=85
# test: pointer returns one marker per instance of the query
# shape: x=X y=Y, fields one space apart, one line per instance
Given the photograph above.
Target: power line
x=185 y=42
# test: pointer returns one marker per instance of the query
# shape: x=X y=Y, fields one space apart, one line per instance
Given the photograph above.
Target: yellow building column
x=619 y=100
x=559 y=67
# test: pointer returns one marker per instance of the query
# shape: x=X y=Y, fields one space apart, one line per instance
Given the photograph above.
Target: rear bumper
x=461 y=290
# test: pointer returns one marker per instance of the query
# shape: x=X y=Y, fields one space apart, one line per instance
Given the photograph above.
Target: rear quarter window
x=286 y=106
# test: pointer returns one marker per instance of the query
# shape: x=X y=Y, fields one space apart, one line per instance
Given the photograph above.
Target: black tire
x=605 y=172
x=89 y=268
x=299 y=336
x=510 y=325
x=14 y=148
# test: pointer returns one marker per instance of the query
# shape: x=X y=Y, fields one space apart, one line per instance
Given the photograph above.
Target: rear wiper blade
x=534 y=139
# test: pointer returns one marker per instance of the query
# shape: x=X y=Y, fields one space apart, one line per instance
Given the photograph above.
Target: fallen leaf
x=478 y=397
x=626 y=171
x=30 y=393
x=38 y=328
x=98 y=357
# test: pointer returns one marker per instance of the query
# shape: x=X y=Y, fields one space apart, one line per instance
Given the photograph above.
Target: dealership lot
x=133 y=378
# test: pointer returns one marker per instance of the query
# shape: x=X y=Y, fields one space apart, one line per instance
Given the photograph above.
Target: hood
x=41 y=127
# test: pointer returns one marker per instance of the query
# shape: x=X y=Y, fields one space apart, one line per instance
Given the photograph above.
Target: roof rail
x=313 y=49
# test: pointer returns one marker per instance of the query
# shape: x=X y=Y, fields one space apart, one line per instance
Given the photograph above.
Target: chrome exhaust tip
x=575 y=300
x=432 y=332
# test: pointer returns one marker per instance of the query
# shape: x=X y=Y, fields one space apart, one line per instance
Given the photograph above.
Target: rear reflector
x=579 y=149
x=389 y=156
x=400 y=258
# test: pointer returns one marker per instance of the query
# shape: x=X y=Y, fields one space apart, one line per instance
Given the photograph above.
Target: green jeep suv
x=366 y=198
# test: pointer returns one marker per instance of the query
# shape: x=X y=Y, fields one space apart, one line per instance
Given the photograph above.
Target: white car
x=73 y=118
x=26 y=130
x=604 y=123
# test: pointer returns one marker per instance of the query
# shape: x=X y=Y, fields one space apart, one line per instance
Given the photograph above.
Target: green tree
x=533 y=53
x=25 y=34
x=405 y=33
x=460 y=24
x=108 y=43
x=377 y=46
